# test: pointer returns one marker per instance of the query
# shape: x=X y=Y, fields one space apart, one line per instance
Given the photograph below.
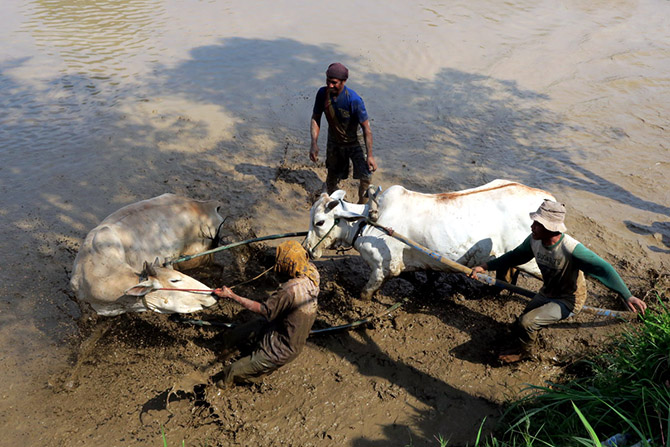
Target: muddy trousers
x=246 y=337
x=331 y=186
x=337 y=164
x=540 y=312
x=254 y=365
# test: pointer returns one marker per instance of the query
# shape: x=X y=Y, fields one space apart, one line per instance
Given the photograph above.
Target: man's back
x=292 y=311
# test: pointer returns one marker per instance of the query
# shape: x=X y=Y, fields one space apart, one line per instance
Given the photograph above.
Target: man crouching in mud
x=289 y=314
x=563 y=262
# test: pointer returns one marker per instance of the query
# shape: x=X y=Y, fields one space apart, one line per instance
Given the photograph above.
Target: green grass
x=165 y=443
x=626 y=391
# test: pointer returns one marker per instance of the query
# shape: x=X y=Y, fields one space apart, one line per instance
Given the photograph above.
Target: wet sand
x=99 y=113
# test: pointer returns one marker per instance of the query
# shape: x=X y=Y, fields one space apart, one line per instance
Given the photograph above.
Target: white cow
x=469 y=227
x=111 y=271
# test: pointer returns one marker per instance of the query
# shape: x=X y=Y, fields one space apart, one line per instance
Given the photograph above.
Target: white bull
x=111 y=271
x=469 y=227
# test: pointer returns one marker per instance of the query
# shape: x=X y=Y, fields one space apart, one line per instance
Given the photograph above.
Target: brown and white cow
x=119 y=267
x=469 y=227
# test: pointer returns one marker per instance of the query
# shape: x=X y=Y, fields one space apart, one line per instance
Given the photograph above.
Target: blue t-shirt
x=347 y=112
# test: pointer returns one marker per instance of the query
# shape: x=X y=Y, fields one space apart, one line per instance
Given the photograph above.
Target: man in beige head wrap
x=289 y=314
x=563 y=262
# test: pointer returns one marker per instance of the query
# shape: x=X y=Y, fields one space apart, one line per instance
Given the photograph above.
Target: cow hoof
x=223 y=386
x=366 y=296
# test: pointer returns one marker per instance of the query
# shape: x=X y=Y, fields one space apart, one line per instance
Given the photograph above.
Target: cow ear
x=141 y=289
x=332 y=205
x=338 y=195
x=349 y=215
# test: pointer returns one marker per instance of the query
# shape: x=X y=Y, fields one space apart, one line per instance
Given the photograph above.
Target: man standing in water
x=289 y=314
x=563 y=262
x=345 y=112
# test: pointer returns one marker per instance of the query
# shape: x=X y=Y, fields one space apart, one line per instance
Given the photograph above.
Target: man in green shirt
x=563 y=262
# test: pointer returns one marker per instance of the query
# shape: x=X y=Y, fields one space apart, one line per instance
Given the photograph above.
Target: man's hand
x=223 y=292
x=477 y=270
x=314 y=153
x=372 y=164
x=636 y=305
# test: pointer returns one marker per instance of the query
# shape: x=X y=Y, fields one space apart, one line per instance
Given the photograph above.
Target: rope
x=198 y=322
x=253 y=279
x=357 y=322
x=187 y=290
x=335 y=222
x=236 y=244
x=212 y=290
x=217 y=236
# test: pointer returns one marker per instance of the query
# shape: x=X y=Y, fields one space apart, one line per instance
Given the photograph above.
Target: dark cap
x=337 y=71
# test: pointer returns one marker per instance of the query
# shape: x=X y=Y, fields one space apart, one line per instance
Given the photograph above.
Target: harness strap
x=359 y=230
x=331 y=115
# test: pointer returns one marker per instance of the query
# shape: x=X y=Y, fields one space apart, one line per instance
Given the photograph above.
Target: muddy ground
x=426 y=370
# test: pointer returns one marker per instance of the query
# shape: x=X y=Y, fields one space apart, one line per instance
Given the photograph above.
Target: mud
x=106 y=106
x=426 y=370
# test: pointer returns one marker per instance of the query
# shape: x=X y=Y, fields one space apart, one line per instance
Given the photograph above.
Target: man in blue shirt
x=563 y=261
x=345 y=112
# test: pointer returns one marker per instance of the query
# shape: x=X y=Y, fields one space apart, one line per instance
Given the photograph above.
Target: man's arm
x=592 y=264
x=225 y=292
x=520 y=255
x=314 y=129
x=367 y=136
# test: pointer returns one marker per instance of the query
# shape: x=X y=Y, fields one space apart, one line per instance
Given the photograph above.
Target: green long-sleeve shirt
x=585 y=260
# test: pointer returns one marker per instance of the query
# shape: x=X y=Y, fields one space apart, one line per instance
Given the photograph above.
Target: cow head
x=154 y=279
x=330 y=221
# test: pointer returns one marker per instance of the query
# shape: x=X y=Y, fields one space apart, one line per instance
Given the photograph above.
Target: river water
x=108 y=102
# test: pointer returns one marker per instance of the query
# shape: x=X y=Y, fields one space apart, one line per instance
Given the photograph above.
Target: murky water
x=103 y=103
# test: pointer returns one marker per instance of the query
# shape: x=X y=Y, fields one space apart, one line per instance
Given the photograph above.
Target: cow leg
x=510 y=275
x=429 y=287
x=375 y=282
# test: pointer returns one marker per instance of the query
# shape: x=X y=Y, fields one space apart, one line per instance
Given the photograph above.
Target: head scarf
x=337 y=71
x=293 y=260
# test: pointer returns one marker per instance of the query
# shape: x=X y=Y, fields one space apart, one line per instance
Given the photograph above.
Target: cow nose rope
x=335 y=222
x=209 y=291
x=201 y=291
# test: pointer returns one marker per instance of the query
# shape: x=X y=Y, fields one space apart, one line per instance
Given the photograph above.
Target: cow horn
x=149 y=269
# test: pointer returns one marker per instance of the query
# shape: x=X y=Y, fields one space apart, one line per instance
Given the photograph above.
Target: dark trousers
x=246 y=337
x=254 y=365
x=337 y=163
